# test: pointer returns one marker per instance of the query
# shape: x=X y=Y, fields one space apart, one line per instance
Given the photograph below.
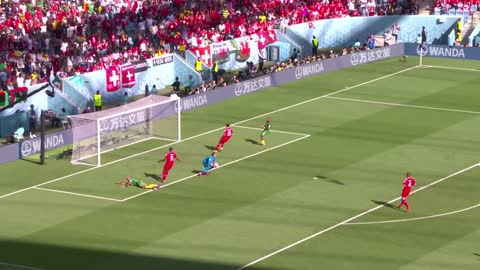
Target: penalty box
x=99 y=182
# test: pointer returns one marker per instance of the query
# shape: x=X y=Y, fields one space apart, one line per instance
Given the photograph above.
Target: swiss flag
x=128 y=75
x=271 y=36
x=205 y=54
x=113 y=78
x=132 y=5
x=262 y=40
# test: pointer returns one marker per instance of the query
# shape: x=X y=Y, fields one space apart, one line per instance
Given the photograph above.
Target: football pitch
x=321 y=194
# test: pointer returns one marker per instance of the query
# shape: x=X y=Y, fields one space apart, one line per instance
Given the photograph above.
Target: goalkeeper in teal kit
x=209 y=163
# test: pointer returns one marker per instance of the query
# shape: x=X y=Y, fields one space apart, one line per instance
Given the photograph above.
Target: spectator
x=294 y=55
x=395 y=31
x=234 y=79
x=387 y=38
x=215 y=70
x=154 y=90
x=147 y=91
x=87 y=110
x=199 y=66
x=97 y=100
x=424 y=35
x=371 y=42
x=176 y=86
x=32 y=120
x=189 y=86
x=419 y=39
x=125 y=98
x=314 y=46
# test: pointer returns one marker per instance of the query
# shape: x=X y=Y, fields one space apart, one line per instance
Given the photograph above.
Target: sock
x=406 y=204
x=218 y=147
x=164 y=175
x=401 y=204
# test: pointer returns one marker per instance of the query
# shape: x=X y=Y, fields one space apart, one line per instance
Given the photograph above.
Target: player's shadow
x=209 y=147
x=330 y=180
x=252 y=141
x=154 y=176
x=476 y=254
x=386 y=204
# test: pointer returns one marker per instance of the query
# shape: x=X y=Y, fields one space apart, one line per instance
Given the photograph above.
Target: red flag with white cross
x=113 y=78
x=262 y=40
x=204 y=53
x=271 y=36
x=128 y=75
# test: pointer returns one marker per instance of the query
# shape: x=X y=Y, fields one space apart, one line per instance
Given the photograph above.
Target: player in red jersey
x=169 y=159
x=227 y=135
x=408 y=183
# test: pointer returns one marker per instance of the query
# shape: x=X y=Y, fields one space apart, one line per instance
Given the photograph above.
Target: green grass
x=423 y=120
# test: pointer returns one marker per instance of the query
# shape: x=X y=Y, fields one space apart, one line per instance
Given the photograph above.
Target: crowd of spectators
x=464 y=5
x=252 y=71
x=58 y=38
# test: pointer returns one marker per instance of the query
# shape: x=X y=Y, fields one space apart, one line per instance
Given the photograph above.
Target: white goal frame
x=160 y=100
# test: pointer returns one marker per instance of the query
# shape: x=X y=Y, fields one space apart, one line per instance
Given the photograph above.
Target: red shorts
x=406 y=192
x=225 y=139
x=167 y=166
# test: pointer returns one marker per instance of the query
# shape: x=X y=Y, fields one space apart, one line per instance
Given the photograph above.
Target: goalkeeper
x=209 y=163
x=138 y=183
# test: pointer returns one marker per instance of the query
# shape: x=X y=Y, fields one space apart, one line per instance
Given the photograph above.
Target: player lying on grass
x=138 y=183
x=209 y=163
x=227 y=134
x=408 y=183
x=266 y=130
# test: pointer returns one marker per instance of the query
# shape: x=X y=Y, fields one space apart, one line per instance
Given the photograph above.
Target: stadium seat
x=451 y=12
x=474 y=8
x=436 y=11
x=458 y=12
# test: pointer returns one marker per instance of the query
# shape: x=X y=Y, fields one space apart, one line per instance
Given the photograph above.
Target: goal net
x=152 y=117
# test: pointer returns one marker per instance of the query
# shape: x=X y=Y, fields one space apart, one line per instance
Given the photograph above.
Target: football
x=215 y=165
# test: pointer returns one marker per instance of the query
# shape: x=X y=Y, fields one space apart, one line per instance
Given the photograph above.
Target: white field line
x=19 y=266
x=208 y=132
x=273 y=130
x=455 y=68
x=221 y=166
x=405 y=105
x=78 y=194
x=350 y=219
x=413 y=219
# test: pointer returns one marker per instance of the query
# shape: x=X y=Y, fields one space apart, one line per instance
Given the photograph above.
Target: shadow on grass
x=333 y=181
x=252 y=141
x=209 y=147
x=57 y=257
x=196 y=171
x=386 y=204
x=476 y=254
x=154 y=176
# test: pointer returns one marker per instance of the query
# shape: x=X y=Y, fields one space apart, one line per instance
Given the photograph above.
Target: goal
x=152 y=117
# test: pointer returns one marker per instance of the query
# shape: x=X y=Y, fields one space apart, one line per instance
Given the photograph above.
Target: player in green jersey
x=266 y=130
x=138 y=183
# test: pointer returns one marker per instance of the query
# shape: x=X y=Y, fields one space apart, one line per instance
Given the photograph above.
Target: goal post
x=152 y=117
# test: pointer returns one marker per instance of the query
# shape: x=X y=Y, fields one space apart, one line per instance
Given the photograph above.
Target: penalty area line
x=219 y=167
x=404 y=105
x=413 y=219
x=19 y=266
x=78 y=194
x=352 y=218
